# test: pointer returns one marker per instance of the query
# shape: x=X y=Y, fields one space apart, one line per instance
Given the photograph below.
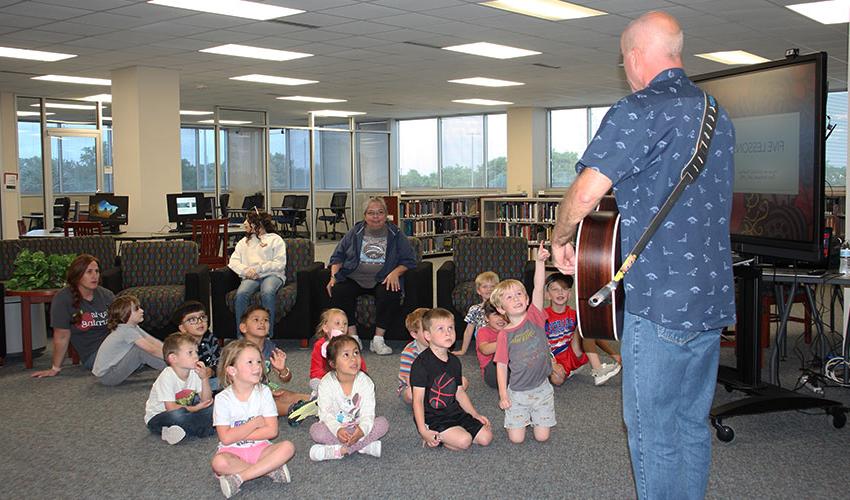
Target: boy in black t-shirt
x=441 y=408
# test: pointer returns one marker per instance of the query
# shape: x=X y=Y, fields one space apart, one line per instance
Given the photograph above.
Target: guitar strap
x=688 y=175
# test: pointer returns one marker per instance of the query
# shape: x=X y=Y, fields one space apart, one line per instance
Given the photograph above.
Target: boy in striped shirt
x=414 y=326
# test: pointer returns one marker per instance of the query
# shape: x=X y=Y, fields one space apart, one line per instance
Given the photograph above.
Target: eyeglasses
x=194 y=320
x=375 y=213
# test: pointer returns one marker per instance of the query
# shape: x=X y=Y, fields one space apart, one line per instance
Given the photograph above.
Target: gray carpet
x=69 y=437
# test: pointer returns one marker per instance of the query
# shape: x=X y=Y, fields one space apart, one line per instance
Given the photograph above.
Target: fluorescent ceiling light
x=493 y=50
x=98 y=98
x=733 y=57
x=336 y=113
x=232 y=49
x=830 y=12
x=227 y=122
x=305 y=98
x=275 y=80
x=553 y=10
x=74 y=79
x=61 y=105
x=486 y=82
x=34 y=55
x=33 y=113
x=237 y=8
x=482 y=102
x=189 y=112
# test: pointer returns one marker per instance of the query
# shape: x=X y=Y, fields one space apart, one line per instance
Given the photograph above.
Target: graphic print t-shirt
x=230 y=411
x=373 y=254
x=560 y=328
x=170 y=387
x=91 y=330
x=440 y=380
x=525 y=349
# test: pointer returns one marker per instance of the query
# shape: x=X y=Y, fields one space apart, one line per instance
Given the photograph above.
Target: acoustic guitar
x=597 y=260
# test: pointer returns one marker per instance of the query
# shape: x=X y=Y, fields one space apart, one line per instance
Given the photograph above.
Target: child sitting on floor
x=413 y=323
x=332 y=323
x=561 y=327
x=180 y=401
x=485 y=343
x=484 y=284
x=127 y=347
x=191 y=317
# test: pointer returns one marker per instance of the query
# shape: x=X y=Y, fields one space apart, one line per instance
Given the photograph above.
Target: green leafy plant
x=35 y=270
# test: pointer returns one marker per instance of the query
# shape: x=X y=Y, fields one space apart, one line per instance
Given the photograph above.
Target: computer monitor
x=183 y=208
x=109 y=209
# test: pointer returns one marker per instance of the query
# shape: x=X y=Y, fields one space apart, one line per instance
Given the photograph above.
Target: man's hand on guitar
x=564 y=257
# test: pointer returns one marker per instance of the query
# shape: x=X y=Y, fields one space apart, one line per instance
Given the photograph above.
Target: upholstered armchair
x=162 y=275
x=418 y=292
x=507 y=257
x=295 y=315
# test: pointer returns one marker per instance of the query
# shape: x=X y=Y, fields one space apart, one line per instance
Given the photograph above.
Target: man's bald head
x=656 y=40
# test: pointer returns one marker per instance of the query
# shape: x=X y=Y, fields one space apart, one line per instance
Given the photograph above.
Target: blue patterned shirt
x=683 y=279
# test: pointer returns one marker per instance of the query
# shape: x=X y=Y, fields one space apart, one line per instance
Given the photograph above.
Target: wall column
x=146 y=142
x=9 y=200
x=527 y=150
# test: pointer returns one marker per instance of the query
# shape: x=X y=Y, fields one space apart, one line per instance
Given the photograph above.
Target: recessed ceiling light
x=831 y=12
x=33 y=113
x=34 y=55
x=733 y=57
x=553 y=10
x=483 y=102
x=227 y=122
x=61 y=105
x=336 y=113
x=74 y=79
x=486 y=82
x=305 y=98
x=493 y=50
x=233 y=49
x=237 y=8
x=98 y=98
x=275 y=80
x=189 y=112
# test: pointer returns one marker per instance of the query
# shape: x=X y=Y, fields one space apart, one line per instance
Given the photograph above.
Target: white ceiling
x=381 y=55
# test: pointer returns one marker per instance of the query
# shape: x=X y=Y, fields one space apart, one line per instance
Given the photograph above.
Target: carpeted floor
x=69 y=437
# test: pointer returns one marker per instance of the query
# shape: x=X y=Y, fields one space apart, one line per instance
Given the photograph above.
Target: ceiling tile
x=42 y=10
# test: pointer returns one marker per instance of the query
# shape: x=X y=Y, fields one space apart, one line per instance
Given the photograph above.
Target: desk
x=235 y=230
x=28 y=298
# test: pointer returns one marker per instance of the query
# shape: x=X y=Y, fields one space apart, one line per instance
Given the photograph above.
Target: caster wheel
x=839 y=418
x=728 y=388
x=724 y=432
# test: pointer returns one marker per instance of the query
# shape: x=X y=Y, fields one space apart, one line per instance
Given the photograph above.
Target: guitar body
x=597 y=260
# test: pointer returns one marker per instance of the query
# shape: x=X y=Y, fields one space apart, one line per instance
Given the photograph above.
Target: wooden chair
x=22 y=227
x=83 y=228
x=211 y=237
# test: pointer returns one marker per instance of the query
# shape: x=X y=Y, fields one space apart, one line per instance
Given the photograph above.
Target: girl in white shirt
x=260 y=260
x=346 y=401
x=245 y=418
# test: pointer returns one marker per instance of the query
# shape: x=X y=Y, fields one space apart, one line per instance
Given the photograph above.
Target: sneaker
x=379 y=347
x=373 y=449
x=357 y=339
x=301 y=410
x=230 y=484
x=280 y=475
x=173 y=434
x=319 y=452
x=605 y=372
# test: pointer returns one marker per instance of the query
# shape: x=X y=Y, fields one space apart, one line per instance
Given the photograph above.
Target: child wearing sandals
x=347 y=421
x=245 y=418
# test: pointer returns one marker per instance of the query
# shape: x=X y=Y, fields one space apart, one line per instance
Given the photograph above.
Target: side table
x=29 y=297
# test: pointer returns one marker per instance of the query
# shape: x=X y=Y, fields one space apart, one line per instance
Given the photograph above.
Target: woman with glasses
x=371 y=259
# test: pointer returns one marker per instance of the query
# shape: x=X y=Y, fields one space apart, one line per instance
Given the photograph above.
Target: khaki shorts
x=534 y=406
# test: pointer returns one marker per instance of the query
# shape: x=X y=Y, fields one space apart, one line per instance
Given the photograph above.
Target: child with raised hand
x=484 y=285
x=442 y=409
x=254 y=326
x=191 y=317
x=332 y=323
x=127 y=347
x=561 y=327
x=528 y=398
x=347 y=421
x=245 y=418
x=180 y=401
x=485 y=343
x=413 y=323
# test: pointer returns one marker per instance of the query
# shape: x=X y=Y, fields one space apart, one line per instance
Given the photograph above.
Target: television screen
x=778 y=109
x=109 y=208
x=185 y=207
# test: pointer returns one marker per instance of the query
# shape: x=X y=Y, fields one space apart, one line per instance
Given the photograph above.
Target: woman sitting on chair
x=260 y=260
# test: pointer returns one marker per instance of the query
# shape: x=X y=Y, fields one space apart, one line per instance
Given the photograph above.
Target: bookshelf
x=524 y=217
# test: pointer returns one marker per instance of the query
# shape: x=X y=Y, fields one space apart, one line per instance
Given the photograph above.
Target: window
x=471 y=153
x=289 y=152
x=29 y=157
x=836 y=145
x=570 y=131
x=197 y=159
x=373 y=160
x=333 y=160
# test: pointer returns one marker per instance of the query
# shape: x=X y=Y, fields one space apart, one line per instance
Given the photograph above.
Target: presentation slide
x=767 y=154
x=187 y=206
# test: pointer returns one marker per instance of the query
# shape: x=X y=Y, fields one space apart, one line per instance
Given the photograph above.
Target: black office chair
x=300 y=214
x=209 y=208
x=61 y=210
x=253 y=201
x=336 y=216
x=286 y=216
x=223 y=201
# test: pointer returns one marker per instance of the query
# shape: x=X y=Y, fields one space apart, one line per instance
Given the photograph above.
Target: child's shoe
x=373 y=449
x=379 y=347
x=605 y=372
x=280 y=475
x=173 y=434
x=319 y=452
x=230 y=484
x=301 y=410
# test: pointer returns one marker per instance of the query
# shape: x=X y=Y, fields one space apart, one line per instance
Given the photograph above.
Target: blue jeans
x=197 y=424
x=268 y=298
x=669 y=378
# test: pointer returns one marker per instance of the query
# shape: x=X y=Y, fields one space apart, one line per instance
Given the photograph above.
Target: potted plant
x=37 y=271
